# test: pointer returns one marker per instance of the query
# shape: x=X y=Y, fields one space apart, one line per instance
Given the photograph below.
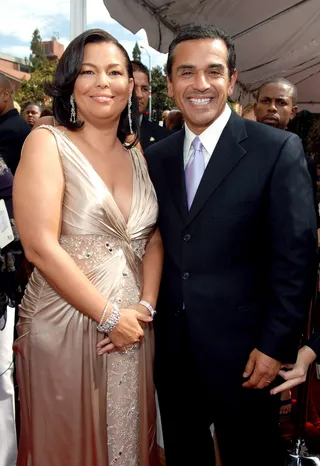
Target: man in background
x=276 y=105
x=174 y=121
x=13 y=128
x=150 y=131
x=31 y=113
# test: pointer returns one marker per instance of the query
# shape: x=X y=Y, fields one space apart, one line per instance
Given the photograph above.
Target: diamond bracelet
x=111 y=321
x=149 y=307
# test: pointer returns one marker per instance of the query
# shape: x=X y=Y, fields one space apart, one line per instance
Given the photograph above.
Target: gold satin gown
x=78 y=408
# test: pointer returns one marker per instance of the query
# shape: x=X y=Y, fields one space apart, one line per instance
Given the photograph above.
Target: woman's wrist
x=306 y=356
x=109 y=318
x=149 y=307
x=149 y=299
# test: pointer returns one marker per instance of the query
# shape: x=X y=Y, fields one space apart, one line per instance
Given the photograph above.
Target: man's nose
x=272 y=107
x=138 y=92
x=201 y=82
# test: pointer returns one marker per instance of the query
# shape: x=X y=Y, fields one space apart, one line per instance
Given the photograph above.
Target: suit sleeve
x=292 y=248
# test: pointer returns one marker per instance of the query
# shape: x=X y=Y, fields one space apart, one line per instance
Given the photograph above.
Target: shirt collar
x=210 y=136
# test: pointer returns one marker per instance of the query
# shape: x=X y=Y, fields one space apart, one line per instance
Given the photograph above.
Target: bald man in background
x=174 y=121
x=13 y=128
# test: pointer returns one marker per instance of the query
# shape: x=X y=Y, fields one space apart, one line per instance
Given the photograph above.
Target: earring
x=129 y=114
x=73 y=110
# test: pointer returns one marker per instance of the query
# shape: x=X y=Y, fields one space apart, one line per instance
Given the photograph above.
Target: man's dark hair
x=202 y=31
x=67 y=71
x=285 y=82
x=32 y=104
x=137 y=66
x=314 y=141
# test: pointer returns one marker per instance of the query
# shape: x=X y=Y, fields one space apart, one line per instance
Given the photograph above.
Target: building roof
x=14 y=74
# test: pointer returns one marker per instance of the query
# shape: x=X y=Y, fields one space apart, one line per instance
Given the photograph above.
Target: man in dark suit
x=239 y=234
x=13 y=128
x=276 y=105
x=150 y=131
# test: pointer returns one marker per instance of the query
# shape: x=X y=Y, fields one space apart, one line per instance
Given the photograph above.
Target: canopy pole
x=78 y=17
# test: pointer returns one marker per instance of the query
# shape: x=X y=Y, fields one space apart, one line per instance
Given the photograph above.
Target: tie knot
x=196 y=144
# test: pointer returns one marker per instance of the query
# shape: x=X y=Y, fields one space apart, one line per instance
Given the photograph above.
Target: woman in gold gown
x=86 y=213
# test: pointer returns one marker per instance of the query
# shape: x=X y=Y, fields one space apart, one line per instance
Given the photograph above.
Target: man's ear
x=170 y=87
x=232 y=82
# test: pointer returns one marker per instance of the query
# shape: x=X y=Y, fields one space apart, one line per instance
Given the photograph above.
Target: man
x=13 y=128
x=150 y=131
x=239 y=236
x=174 y=121
x=276 y=105
x=31 y=113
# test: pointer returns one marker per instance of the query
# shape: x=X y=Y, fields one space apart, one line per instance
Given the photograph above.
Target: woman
x=297 y=372
x=86 y=213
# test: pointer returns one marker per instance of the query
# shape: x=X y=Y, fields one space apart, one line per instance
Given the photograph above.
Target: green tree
x=136 y=52
x=38 y=57
x=33 y=90
x=160 y=99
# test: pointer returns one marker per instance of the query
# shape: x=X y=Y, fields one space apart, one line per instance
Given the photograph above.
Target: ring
x=269 y=381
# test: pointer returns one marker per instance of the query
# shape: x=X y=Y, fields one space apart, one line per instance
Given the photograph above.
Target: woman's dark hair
x=46 y=112
x=202 y=31
x=66 y=74
x=314 y=140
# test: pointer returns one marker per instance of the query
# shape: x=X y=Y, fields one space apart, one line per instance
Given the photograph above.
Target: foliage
x=160 y=99
x=38 y=57
x=136 y=52
x=33 y=90
x=41 y=70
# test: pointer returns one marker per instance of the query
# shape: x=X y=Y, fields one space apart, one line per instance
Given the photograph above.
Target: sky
x=52 y=17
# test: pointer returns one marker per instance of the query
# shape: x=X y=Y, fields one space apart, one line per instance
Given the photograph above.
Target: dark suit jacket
x=151 y=130
x=13 y=132
x=237 y=266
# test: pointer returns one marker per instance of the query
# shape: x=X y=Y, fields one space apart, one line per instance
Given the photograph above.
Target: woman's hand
x=298 y=371
x=127 y=332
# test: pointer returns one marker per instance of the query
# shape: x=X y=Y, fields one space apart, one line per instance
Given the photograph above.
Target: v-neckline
x=126 y=221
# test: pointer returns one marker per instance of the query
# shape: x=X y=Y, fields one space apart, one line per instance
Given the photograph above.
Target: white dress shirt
x=209 y=138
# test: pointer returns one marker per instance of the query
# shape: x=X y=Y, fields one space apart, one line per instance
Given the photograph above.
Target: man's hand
x=261 y=369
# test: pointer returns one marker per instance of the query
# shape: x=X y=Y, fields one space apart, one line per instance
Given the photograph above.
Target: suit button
x=187 y=237
x=185 y=276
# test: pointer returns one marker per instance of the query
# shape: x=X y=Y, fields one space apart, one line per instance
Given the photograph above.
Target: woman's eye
x=87 y=72
x=115 y=73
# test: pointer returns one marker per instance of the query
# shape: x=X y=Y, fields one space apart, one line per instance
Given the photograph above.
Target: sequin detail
x=123 y=418
x=89 y=251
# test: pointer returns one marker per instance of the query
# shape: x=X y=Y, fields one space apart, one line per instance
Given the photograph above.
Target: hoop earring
x=129 y=114
x=73 y=110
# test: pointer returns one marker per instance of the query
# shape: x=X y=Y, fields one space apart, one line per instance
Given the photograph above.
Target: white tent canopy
x=272 y=37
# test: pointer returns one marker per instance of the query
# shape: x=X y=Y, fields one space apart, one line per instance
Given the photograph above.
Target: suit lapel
x=225 y=157
x=174 y=173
